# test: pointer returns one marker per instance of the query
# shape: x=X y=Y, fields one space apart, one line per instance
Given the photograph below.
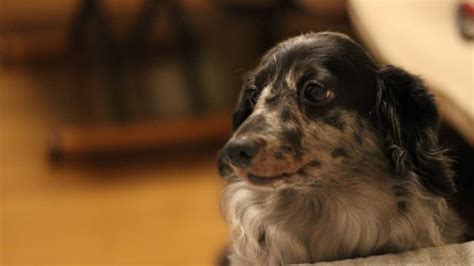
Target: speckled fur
x=337 y=195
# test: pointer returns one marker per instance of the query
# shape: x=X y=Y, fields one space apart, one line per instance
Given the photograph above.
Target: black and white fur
x=333 y=157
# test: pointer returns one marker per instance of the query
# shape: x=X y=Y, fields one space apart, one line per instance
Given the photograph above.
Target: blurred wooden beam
x=91 y=139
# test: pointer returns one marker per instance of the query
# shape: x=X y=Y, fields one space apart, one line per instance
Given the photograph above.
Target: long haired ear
x=409 y=121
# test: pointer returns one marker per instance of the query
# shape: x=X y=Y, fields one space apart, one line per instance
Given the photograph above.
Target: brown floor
x=155 y=211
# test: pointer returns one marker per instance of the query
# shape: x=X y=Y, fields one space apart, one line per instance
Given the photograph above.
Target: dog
x=333 y=157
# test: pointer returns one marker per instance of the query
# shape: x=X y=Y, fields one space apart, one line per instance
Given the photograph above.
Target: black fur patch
x=222 y=165
x=339 y=152
x=301 y=171
x=261 y=238
x=284 y=175
x=313 y=164
x=286 y=149
x=284 y=200
x=279 y=155
x=293 y=137
x=335 y=121
x=400 y=191
x=286 y=116
x=358 y=131
x=402 y=205
x=357 y=138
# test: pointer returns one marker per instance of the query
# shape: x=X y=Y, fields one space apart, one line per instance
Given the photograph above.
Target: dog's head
x=317 y=106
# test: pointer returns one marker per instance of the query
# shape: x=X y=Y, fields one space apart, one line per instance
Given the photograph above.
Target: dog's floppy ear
x=409 y=121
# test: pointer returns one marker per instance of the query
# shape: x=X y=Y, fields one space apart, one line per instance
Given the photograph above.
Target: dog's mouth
x=265 y=180
x=259 y=180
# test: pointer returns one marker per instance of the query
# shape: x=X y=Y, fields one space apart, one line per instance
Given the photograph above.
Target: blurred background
x=112 y=112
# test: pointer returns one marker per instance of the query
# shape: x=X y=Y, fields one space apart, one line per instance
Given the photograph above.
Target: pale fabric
x=455 y=254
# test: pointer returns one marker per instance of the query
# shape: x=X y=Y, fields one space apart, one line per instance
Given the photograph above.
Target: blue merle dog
x=333 y=157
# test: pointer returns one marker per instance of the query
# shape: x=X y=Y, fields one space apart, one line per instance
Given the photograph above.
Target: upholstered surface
x=455 y=254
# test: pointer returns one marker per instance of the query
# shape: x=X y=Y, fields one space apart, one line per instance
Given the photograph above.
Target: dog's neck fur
x=287 y=225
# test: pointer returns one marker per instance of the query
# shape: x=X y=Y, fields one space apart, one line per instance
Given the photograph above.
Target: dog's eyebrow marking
x=339 y=152
x=293 y=137
x=335 y=121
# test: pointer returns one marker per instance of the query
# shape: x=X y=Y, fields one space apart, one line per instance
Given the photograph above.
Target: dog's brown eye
x=316 y=92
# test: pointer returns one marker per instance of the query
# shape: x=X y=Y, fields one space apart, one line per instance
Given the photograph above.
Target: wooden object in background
x=85 y=140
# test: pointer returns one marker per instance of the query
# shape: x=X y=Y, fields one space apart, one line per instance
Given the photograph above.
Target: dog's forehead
x=317 y=53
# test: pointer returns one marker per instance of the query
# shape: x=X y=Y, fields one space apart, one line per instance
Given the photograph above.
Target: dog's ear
x=244 y=107
x=409 y=121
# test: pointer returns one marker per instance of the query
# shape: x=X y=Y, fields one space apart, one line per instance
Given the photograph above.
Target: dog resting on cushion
x=333 y=157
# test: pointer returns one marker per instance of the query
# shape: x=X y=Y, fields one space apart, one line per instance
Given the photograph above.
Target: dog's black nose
x=242 y=151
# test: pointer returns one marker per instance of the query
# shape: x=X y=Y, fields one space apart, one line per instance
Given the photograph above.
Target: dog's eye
x=252 y=94
x=316 y=92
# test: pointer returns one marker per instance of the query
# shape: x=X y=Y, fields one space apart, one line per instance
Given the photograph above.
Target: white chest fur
x=274 y=227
